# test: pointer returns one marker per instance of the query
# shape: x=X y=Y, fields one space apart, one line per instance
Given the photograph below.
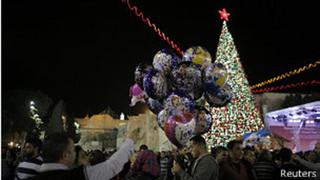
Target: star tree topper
x=224 y=15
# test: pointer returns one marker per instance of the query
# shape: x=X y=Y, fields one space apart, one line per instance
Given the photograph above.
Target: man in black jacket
x=204 y=166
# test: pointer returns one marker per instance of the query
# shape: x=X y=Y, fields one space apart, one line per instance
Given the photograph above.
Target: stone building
x=102 y=131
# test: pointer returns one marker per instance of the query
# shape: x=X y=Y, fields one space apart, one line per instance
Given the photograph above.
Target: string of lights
x=147 y=21
x=287 y=74
x=288 y=86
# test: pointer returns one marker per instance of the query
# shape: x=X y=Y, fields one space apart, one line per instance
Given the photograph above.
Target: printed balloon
x=180 y=128
x=187 y=78
x=155 y=84
x=164 y=61
x=139 y=73
x=197 y=55
x=215 y=77
x=162 y=117
x=219 y=98
x=154 y=105
x=178 y=102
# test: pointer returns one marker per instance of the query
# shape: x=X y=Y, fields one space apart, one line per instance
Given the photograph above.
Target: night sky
x=85 y=52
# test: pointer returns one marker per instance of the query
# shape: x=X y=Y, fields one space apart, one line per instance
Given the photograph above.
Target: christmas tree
x=240 y=115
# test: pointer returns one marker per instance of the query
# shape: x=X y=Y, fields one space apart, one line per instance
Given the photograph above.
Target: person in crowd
x=59 y=156
x=219 y=153
x=146 y=165
x=309 y=165
x=82 y=158
x=276 y=158
x=285 y=156
x=29 y=167
x=204 y=166
x=164 y=159
x=125 y=170
x=184 y=158
x=265 y=168
x=171 y=157
x=233 y=168
x=286 y=164
x=6 y=164
x=158 y=154
x=19 y=156
x=249 y=158
x=310 y=156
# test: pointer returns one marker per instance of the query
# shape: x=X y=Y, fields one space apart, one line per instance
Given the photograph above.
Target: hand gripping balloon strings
x=147 y=21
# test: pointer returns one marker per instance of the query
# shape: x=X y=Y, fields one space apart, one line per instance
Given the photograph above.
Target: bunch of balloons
x=177 y=89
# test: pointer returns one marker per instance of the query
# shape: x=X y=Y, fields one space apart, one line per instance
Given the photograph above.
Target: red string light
x=147 y=21
x=288 y=86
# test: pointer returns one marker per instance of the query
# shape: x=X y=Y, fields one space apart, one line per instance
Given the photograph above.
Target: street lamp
x=31 y=103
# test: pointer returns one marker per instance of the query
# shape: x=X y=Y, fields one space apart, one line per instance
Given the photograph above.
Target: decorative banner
x=147 y=21
x=287 y=74
x=288 y=86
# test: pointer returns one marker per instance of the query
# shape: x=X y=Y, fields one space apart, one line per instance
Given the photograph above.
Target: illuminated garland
x=288 y=86
x=287 y=74
x=147 y=21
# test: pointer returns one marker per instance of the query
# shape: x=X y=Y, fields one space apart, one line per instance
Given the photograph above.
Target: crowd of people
x=58 y=158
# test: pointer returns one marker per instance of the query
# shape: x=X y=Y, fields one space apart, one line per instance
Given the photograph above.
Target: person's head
x=220 y=153
x=317 y=148
x=163 y=154
x=32 y=147
x=285 y=155
x=265 y=156
x=81 y=157
x=249 y=155
x=143 y=147
x=235 y=150
x=198 y=146
x=59 y=148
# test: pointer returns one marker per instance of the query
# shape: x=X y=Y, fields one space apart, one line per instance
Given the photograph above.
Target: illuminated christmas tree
x=240 y=115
